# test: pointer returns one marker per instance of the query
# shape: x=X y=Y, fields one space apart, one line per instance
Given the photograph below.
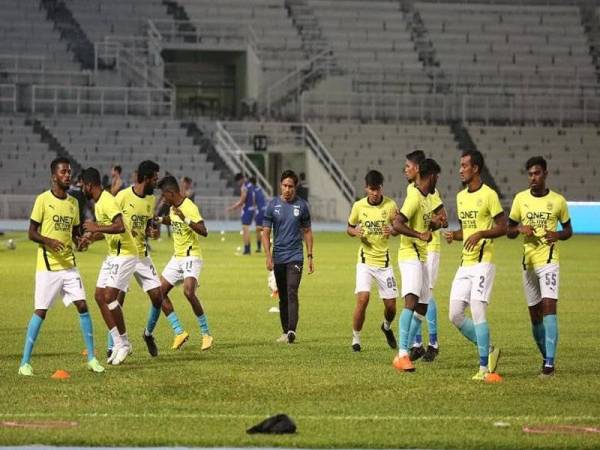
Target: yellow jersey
x=374 y=248
x=57 y=217
x=417 y=208
x=137 y=212
x=105 y=210
x=541 y=213
x=434 y=244
x=476 y=212
x=186 y=242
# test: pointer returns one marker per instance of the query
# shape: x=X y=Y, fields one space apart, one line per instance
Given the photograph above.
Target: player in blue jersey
x=246 y=203
x=289 y=217
x=260 y=203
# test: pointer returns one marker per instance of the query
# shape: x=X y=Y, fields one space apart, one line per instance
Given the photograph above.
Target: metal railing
x=8 y=98
x=236 y=159
x=34 y=69
x=215 y=34
x=445 y=107
x=102 y=100
x=291 y=86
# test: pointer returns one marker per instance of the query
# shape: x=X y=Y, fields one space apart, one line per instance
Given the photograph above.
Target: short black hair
x=428 y=167
x=252 y=180
x=373 y=178
x=416 y=156
x=476 y=158
x=168 y=183
x=118 y=169
x=289 y=174
x=238 y=177
x=146 y=169
x=536 y=161
x=91 y=176
x=56 y=161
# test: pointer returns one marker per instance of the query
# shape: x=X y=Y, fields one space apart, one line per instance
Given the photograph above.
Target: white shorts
x=541 y=283
x=116 y=272
x=181 y=268
x=64 y=282
x=384 y=276
x=473 y=283
x=145 y=274
x=433 y=267
x=415 y=279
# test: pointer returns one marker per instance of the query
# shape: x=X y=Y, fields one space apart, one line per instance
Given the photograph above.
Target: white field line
x=355 y=418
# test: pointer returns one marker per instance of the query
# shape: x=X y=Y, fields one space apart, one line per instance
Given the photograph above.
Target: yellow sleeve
x=120 y=198
x=353 y=219
x=393 y=210
x=112 y=210
x=37 y=213
x=494 y=204
x=436 y=201
x=194 y=213
x=76 y=219
x=515 y=210
x=564 y=211
x=410 y=205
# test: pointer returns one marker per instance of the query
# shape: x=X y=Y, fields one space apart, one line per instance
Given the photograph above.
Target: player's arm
x=266 y=243
x=198 y=227
x=499 y=229
x=399 y=225
x=35 y=236
x=439 y=218
x=515 y=228
x=116 y=227
x=308 y=240
x=455 y=235
x=240 y=202
x=165 y=220
x=562 y=235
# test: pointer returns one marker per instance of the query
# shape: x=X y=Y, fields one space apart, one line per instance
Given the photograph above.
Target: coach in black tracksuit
x=289 y=216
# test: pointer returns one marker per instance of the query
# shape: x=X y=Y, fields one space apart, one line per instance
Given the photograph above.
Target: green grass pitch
x=338 y=398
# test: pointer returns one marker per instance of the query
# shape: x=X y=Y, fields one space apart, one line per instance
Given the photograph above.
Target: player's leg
x=99 y=296
x=109 y=337
x=419 y=315
x=47 y=286
x=87 y=330
x=190 y=285
x=172 y=275
x=258 y=236
x=460 y=295
x=280 y=272
x=362 y=291
x=147 y=278
x=433 y=265
x=411 y=273
x=294 y=276
x=247 y=216
x=388 y=292
x=549 y=284
x=533 y=295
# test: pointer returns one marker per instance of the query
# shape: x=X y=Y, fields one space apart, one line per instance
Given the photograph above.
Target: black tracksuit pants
x=287 y=277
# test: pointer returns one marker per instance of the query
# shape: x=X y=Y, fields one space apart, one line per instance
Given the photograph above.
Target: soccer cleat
x=416 y=352
x=291 y=337
x=95 y=366
x=403 y=364
x=207 y=342
x=110 y=355
x=547 y=372
x=389 y=336
x=26 y=370
x=480 y=375
x=488 y=377
x=430 y=353
x=356 y=347
x=283 y=338
x=493 y=358
x=179 y=340
x=149 y=340
x=120 y=354
x=109 y=352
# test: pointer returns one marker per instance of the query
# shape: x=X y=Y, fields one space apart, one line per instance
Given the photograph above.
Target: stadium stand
x=24 y=158
x=104 y=141
x=572 y=155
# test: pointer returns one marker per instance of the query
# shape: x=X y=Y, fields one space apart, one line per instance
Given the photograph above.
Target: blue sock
x=85 y=322
x=203 y=324
x=415 y=327
x=482 y=330
x=258 y=244
x=404 y=327
x=153 y=316
x=32 y=333
x=551 y=328
x=468 y=330
x=109 y=341
x=539 y=334
x=419 y=337
x=174 y=321
x=431 y=317
x=247 y=248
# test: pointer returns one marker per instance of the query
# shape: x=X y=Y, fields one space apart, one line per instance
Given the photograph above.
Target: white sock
x=402 y=353
x=386 y=325
x=115 y=336
x=355 y=337
x=483 y=369
x=124 y=339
